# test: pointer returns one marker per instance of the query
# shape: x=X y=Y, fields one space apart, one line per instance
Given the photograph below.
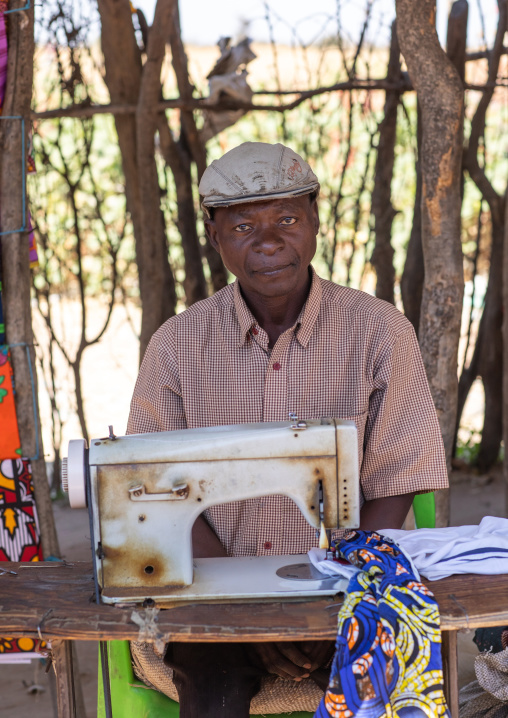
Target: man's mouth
x=268 y=271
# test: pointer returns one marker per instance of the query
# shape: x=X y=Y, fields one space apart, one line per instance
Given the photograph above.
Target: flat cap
x=253 y=172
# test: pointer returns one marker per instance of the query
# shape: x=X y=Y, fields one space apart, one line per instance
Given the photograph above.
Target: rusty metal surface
x=150 y=543
x=149 y=489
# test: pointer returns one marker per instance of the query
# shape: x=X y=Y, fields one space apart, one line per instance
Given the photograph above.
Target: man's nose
x=268 y=241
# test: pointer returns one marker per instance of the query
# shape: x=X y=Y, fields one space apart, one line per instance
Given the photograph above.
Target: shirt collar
x=310 y=310
x=245 y=317
x=304 y=325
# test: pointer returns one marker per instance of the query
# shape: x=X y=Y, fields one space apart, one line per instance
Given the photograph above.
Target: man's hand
x=293 y=661
x=318 y=652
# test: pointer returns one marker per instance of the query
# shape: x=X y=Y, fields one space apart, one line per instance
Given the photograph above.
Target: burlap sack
x=276 y=694
x=487 y=697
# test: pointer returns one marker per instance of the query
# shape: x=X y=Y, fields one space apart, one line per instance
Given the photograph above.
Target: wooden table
x=56 y=601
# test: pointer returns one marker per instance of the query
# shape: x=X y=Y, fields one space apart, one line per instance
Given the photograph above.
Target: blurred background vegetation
x=87 y=301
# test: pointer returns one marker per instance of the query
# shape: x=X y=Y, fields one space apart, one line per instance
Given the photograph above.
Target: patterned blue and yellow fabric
x=387 y=662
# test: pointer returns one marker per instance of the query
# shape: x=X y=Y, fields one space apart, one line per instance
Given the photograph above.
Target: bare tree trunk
x=505 y=355
x=382 y=208
x=441 y=97
x=179 y=156
x=456 y=37
x=16 y=266
x=122 y=60
x=487 y=359
x=180 y=165
x=16 y=284
x=490 y=365
x=155 y=278
x=411 y=283
x=127 y=83
x=190 y=141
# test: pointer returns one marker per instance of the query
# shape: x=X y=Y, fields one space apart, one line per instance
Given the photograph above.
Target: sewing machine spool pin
x=296 y=424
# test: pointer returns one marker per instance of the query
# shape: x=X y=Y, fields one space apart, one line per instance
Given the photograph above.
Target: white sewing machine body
x=148 y=489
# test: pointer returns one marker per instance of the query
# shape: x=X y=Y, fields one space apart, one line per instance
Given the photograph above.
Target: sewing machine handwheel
x=73 y=474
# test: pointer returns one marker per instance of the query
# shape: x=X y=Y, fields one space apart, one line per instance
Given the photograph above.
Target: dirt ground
x=25 y=690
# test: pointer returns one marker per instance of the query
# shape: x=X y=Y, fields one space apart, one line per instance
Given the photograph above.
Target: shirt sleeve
x=403 y=448
x=157 y=403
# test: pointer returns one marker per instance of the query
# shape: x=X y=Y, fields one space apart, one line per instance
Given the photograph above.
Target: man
x=281 y=340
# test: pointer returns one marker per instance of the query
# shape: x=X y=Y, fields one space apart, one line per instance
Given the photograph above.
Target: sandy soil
x=472 y=498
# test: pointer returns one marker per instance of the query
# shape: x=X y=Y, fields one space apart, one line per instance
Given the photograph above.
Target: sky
x=204 y=21
x=292 y=21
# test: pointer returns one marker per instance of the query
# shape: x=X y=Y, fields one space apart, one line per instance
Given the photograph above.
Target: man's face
x=268 y=245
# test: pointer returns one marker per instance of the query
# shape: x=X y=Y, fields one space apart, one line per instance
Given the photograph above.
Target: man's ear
x=315 y=215
x=211 y=233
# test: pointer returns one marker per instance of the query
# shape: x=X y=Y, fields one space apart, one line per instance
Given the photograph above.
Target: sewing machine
x=145 y=491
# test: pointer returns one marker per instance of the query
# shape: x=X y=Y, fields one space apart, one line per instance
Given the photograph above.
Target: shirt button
x=267 y=545
x=254 y=330
x=276 y=366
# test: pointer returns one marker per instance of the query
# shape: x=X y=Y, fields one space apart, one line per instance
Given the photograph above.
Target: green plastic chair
x=424 y=508
x=130 y=698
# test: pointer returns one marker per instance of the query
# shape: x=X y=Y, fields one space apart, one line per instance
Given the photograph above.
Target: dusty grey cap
x=253 y=172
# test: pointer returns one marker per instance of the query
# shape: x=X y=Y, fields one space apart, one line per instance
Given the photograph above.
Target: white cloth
x=438 y=553
x=317 y=557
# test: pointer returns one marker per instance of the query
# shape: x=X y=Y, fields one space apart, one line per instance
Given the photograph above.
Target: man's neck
x=277 y=314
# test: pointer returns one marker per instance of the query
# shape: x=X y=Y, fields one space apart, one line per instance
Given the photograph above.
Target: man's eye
x=288 y=220
x=242 y=227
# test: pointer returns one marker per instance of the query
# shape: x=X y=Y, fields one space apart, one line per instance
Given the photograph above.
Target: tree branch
x=89 y=110
x=471 y=162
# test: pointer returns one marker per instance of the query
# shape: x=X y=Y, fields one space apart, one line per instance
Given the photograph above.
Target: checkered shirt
x=349 y=355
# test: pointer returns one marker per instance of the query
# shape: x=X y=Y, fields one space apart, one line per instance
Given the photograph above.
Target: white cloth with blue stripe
x=438 y=553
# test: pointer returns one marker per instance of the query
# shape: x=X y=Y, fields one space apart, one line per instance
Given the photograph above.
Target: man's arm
x=403 y=449
x=385 y=513
x=157 y=403
x=205 y=543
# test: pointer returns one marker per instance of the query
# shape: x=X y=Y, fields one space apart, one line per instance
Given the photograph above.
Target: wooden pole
x=505 y=354
x=382 y=208
x=16 y=283
x=441 y=99
x=15 y=260
x=450 y=671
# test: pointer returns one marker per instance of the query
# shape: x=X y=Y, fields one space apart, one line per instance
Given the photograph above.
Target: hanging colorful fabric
x=30 y=160
x=32 y=247
x=10 y=445
x=387 y=662
x=19 y=541
x=19 y=525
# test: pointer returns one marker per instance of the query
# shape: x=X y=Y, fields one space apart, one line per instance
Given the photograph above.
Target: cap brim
x=244 y=199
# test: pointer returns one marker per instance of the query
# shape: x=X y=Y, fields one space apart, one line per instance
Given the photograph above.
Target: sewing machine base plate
x=250 y=577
